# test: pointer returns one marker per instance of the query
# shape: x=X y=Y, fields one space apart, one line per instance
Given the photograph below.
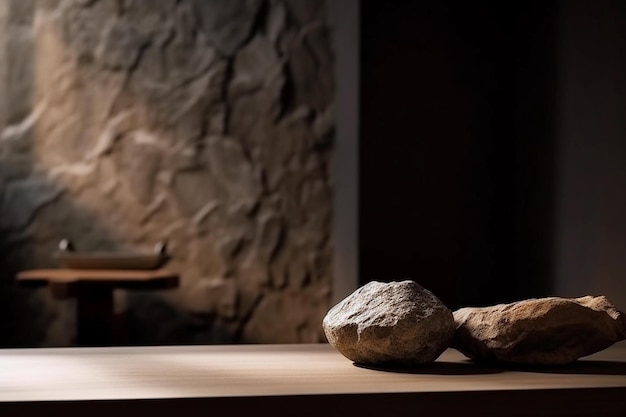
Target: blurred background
x=493 y=147
x=291 y=150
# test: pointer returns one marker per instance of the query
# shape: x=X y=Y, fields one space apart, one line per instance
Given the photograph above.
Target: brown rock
x=214 y=296
x=545 y=331
x=288 y=317
x=395 y=323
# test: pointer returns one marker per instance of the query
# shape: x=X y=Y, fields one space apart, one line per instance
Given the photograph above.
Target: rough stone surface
x=20 y=11
x=19 y=73
x=129 y=122
x=395 y=323
x=227 y=23
x=22 y=199
x=4 y=11
x=120 y=45
x=545 y=331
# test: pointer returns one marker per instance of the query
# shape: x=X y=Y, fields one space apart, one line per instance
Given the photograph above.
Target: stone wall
x=206 y=123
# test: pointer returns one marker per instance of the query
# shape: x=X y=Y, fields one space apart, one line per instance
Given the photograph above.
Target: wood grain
x=63 y=282
x=315 y=376
x=68 y=275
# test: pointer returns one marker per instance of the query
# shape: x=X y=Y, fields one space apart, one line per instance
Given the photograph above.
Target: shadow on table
x=468 y=367
x=437 y=368
x=580 y=367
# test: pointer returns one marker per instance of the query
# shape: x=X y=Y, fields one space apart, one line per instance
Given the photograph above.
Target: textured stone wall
x=206 y=123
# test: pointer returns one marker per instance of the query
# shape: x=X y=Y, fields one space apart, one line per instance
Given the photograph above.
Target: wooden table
x=93 y=290
x=295 y=380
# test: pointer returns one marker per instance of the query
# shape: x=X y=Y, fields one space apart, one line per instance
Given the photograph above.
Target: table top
x=113 y=275
x=298 y=371
x=63 y=281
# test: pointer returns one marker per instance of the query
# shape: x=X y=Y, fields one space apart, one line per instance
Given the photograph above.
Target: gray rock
x=120 y=45
x=16 y=167
x=82 y=25
x=305 y=11
x=20 y=73
x=194 y=189
x=21 y=12
x=139 y=174
x=309 y=86
x=395 y=323
x=276 y=20
x=214 y=296
x=545 y=331
x=317 y=37
x=270 y=235
x=226 y=23
x=149 y=16
x=258 y=71
x=230 y=166
x=22 y=199
x=48 y=5
x=206 y=258
x=287 y=317
x=253 y=65
x=252 y=275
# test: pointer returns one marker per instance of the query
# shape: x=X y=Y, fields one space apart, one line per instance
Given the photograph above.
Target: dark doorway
x=456 y=147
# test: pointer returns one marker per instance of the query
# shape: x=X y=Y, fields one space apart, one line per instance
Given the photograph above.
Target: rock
x=310 y=84
x=19 y=74
x=16 y=167
x=230 y=166
x=21 y=12
x=214 y=296
x=120 y=45
x=270 y=236
x=22 y=200
x=206 y=258
x=258 y=74
x=83 y=24
x=194 y=190
x=305 y=11
x=139 y=174
x=324 y=127
x=395 y=323
x=227 y=23
x=252 y=276
x=545 y=331
x=276 y=21
x=254 y=64
x=149 y=16
x=288 y=317
x=317 y=39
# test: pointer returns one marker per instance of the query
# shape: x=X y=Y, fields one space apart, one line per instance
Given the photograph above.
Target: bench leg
x=94 y=315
